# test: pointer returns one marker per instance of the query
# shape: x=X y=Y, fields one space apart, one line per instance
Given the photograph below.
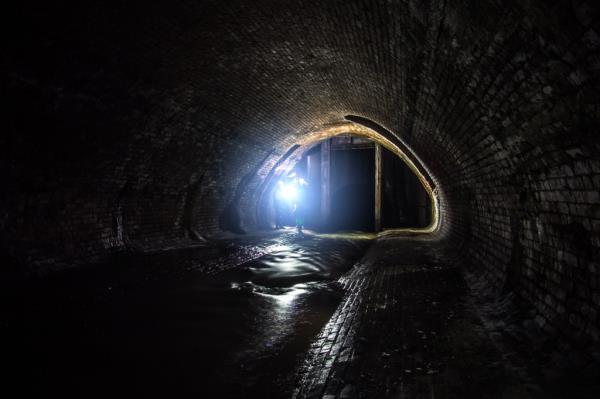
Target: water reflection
x=238 y=333
x=290 y=286
x=289 y=265
x=288 y=273
x=282 y=296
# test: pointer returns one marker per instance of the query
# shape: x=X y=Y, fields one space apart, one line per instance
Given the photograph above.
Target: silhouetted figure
x=281 y=209
x=300 y=205
x=299 y=217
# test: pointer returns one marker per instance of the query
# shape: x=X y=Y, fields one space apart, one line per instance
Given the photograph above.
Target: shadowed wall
x=137 y=124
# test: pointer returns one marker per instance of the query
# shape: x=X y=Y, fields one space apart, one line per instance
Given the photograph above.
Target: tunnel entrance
x=351 y=183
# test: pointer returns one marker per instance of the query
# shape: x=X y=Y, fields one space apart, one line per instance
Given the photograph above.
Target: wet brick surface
x=407 y=329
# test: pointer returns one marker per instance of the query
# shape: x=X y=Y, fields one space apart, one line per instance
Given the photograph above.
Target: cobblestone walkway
x=406 y=329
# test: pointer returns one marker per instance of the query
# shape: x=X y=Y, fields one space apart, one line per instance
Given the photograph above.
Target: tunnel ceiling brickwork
x=138 y=123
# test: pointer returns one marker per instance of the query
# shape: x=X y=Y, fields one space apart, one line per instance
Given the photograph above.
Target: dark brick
x=118 y=116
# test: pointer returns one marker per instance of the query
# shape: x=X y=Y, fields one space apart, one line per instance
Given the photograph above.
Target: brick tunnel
x=142 y=146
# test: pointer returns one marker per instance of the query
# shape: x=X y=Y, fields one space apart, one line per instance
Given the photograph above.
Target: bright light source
x=289 y=191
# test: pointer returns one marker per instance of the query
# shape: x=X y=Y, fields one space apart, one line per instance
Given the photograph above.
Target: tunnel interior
x=143 y=143
x=352 y=181
x=353 y=167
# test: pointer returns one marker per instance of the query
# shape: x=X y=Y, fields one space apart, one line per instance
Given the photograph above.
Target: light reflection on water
x=283 y=282
x=289 y=265
x=281 y=296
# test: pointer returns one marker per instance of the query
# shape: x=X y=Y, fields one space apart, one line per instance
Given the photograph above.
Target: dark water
x=240 y=333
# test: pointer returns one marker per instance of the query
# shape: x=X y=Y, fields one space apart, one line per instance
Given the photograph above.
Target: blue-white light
x=287 y=191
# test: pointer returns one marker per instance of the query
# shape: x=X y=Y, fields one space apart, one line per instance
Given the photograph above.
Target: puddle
x=239 y=333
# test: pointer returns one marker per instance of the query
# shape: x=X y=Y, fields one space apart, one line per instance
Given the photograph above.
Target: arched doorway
x=391 y=169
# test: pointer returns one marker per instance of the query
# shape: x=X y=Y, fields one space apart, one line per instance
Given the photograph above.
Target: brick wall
x=135 y=123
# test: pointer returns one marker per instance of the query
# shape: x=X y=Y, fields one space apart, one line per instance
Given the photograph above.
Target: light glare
x=288 y=191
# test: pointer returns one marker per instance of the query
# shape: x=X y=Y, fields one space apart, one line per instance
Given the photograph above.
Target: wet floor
x=242 y=332
x=410 y=327
x=277 y=316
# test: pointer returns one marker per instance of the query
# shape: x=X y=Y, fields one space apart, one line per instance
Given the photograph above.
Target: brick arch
x=381 y=136
x=122 y=133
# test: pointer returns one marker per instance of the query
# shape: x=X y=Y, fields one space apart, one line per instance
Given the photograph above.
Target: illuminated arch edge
x=305 y=142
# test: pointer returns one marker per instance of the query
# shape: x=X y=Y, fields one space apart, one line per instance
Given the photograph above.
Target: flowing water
x=240 y=333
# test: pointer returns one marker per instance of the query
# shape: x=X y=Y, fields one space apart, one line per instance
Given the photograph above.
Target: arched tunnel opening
x=154 y=154
x=350 y=177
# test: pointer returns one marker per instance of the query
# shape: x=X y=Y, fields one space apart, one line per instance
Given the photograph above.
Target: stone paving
x=408 y=328
x=407 y=325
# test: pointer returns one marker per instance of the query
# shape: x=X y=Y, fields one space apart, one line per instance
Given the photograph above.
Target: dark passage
x=352 y=188
x=240 y=333
x=445 y=161
x=405 y=202
x=350 y=164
